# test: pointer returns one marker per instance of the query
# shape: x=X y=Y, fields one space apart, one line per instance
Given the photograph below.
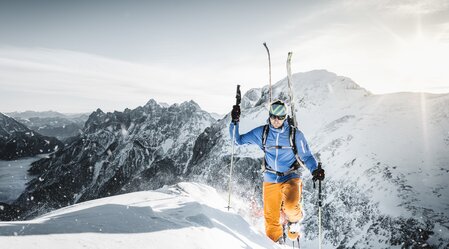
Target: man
x=282 y=184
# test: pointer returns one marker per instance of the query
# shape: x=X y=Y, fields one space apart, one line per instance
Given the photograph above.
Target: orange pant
x=286 y=195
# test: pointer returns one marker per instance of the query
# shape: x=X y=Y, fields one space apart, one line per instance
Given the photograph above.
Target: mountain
x=118 y=152
x=17 y=141
x=55 y=124
x=32 y=114
x=186 y=215
x=386 y=159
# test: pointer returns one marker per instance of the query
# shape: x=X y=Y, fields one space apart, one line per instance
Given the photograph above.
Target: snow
x=389 y=149
x=186 y=215
x=97 y=169
x=167 y=144
x=394 y=148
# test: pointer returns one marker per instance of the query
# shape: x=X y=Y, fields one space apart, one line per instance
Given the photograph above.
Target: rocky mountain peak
x=95 y=118
x=151 y=103
x=2 y=116
x=137 y=149
x=17 y=141
x=190 y=105
x=9 y=125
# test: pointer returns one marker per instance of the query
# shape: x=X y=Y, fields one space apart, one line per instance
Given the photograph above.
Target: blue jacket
x=278 y=159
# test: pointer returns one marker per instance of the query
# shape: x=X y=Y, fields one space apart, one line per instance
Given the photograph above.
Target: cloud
x=416 y=7
x=364 y=40
x=399 y=6
x=120 y=84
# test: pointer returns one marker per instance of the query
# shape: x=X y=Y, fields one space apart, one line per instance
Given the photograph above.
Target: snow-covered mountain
x=118 y=152
x=386 y=158
x=186 y=215
x=17 y=141
x=54 y=124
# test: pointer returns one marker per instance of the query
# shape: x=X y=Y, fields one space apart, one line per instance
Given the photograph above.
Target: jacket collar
x=281 y=129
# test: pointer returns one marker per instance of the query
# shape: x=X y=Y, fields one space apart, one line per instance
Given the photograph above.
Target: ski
x=290 y=89
x=269 y=67
x=293 y=120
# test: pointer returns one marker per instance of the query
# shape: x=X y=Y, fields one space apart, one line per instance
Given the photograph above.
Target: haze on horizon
x=76 y=56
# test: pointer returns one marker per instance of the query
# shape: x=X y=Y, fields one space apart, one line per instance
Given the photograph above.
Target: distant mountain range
x=17 y=141
x=44 y=114
x=50 y=123
x=386 y=159
x=118 y=152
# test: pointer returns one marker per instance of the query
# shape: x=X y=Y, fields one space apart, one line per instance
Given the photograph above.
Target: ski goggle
x=278 y=108
x=282 y=117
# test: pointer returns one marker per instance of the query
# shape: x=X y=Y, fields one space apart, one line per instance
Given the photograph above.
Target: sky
x=77 y=56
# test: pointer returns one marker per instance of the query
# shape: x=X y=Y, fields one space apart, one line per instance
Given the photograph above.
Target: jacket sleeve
x=304 y=152
x=252 y=137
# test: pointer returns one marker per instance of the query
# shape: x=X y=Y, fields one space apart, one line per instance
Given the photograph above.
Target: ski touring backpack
x=296 y=165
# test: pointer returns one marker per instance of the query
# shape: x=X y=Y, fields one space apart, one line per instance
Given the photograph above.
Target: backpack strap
x=292 y=135
x=265 y=135
x=266 y=129
x=300 y=163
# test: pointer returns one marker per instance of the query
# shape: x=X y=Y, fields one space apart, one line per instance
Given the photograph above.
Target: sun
x=421 y=63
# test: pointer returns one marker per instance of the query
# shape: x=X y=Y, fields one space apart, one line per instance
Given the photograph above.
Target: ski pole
x=319 y=209
x=269 y=66
x=238 y=99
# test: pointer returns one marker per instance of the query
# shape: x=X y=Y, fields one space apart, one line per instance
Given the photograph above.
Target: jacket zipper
x=277 y=152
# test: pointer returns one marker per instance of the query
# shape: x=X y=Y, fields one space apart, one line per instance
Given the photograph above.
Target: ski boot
x=293 y=231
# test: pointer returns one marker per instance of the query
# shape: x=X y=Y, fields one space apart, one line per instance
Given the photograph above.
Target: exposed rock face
x=17 y=141
x=117 y=152
x=386 y=159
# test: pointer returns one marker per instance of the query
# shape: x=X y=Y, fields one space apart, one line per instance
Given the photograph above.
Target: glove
x=235 y=113
x=318 y=175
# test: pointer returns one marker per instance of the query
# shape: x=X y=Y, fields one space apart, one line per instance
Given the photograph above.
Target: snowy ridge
x=186 y=215
x=386 y=158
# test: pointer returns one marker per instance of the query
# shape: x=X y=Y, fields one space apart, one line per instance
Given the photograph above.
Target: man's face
x=276 y=122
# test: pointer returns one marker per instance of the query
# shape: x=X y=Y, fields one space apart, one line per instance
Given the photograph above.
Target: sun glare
x=421 y=63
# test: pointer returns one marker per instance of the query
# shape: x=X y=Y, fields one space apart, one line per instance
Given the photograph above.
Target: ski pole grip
x=319 y=181
x=238 y=99
x=238 y=96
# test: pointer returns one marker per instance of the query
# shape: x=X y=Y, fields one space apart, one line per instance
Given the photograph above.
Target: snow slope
x=186 y=215
x=386 y=159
